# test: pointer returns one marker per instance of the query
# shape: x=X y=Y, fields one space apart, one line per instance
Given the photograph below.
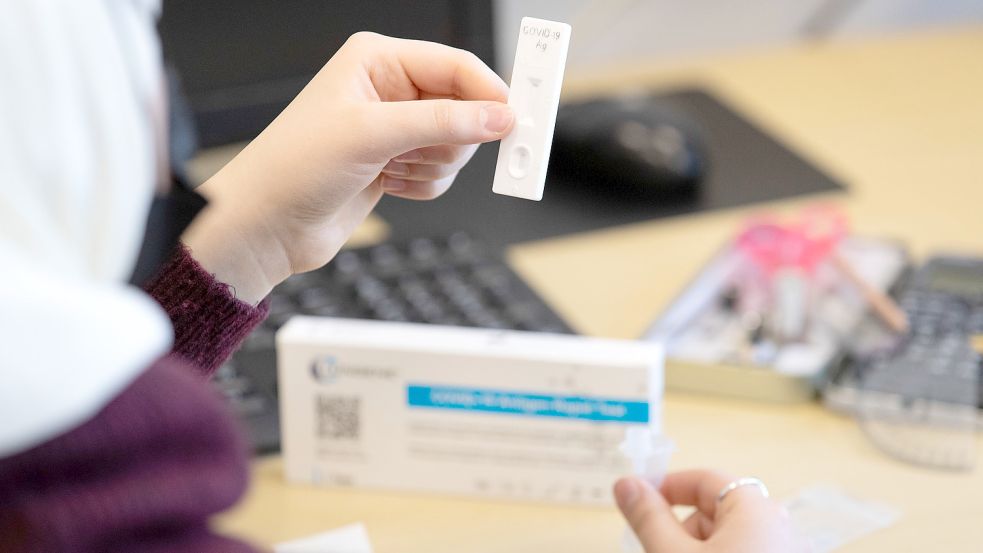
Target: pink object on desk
x=803 y=243
x=788 y=254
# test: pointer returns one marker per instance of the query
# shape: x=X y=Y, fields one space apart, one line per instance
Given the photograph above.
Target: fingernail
x=626 y=492
x=390 y=184
x=497 y=117
x=396 y=169
x=411 y=156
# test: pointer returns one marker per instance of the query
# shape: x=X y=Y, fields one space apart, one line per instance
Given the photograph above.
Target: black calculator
x=936 y=360
x=919 y=397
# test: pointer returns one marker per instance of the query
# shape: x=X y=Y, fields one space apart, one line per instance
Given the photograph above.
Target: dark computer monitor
x=241 y=61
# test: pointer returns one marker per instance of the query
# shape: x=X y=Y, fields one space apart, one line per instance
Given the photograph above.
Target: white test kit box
x=496 y=414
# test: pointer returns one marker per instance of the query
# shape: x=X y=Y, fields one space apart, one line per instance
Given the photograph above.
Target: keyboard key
x=450 y=281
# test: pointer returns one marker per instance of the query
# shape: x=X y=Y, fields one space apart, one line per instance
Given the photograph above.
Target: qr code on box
x=337 y=417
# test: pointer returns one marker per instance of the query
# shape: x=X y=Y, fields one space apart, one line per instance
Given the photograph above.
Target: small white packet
x=347 y=539
x=828 y=517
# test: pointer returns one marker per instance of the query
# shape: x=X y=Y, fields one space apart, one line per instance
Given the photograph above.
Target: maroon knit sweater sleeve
x=209 y=322
x=146 y=474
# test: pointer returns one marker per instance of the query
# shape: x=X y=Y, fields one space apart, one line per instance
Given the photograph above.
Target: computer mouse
x=630 y=147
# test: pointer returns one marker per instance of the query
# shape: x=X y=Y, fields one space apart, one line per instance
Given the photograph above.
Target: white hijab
x=80 y=81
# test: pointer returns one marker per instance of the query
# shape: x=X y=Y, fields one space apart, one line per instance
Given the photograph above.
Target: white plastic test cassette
x=537 y=77
x=495 y=414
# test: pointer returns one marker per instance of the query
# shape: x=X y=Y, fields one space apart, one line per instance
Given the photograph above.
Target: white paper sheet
x=829 y=517
x=347 y=539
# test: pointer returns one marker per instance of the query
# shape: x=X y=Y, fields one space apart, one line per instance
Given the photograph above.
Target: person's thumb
x=405 y=126
x=650 y=517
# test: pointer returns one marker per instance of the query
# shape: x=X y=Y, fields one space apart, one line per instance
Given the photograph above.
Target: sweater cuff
x=209 y=321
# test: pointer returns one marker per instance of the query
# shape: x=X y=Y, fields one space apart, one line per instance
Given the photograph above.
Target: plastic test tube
x=648 y=450
x=649 y=454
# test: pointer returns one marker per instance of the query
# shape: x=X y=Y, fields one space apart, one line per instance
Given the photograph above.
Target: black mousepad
x=746 y=165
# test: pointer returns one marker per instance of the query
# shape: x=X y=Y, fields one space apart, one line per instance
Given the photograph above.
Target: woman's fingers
x=698 y=525
x=698 y=488
x=419 y=172
x=416 y=82
x=439 y=69
x=421 y=96
x=416 y=190
x=398 y=127
x=402 y=69
x=701 y=489
x=744 y=521
x=436 y=155
x=427 y=172
x=651 y=518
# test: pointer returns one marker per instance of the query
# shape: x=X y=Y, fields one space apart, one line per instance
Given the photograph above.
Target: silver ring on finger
x=741 y=482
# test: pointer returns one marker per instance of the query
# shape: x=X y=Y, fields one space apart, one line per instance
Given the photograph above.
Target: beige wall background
x=620 y=31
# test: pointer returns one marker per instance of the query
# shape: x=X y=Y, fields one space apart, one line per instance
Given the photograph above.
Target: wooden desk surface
x=901 y=120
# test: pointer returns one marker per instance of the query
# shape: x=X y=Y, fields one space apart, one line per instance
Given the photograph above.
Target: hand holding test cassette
x=384 y=115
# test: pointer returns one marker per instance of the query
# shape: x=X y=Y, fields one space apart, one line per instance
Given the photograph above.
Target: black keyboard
x=451 y=280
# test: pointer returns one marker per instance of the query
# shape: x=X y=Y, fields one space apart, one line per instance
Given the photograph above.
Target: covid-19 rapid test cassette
x=487 y=413
x=537 y=77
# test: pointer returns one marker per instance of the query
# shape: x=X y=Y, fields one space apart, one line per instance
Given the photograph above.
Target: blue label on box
x=531 y=405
